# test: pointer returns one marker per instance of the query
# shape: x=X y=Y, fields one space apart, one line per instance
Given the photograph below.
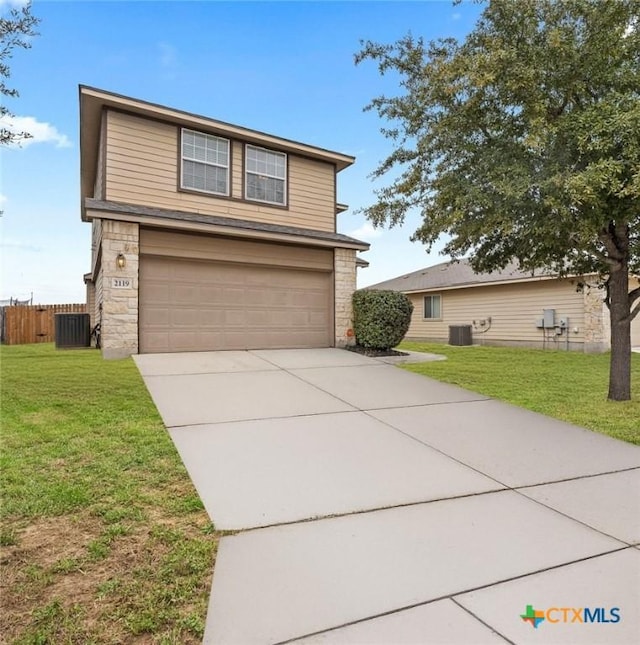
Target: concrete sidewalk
x=374 y=505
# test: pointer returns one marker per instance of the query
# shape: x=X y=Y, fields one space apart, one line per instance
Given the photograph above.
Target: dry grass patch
x=104 y=539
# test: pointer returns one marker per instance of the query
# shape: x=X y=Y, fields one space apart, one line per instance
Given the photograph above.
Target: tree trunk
x=619 y=312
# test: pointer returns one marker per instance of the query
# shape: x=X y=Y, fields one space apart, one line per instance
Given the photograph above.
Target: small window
x=205 y=163
x=432 y=307
x=266 y=176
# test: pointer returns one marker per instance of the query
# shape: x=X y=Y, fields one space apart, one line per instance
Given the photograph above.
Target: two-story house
x=209 y=236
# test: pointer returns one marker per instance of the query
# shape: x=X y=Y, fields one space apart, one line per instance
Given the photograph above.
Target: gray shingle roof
x=218 y=220
x=452 y=274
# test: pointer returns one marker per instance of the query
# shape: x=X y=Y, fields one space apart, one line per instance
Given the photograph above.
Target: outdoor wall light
x=121 y=261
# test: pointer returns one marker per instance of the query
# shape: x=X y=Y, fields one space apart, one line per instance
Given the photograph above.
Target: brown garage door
x=195 y=305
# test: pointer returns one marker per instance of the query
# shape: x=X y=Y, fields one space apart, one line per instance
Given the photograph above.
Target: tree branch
x=634 y=312
x=599 y=255
x=607 y=297
x=606 y=236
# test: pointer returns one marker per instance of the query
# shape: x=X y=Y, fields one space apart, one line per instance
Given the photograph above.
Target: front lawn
x=104 y=539
x=567 y=385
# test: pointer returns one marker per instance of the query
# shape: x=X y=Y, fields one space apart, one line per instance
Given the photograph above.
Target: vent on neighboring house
x=72 y=330
x=460 y=335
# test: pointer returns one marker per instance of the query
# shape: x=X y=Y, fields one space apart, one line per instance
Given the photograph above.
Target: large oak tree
x=523 y=142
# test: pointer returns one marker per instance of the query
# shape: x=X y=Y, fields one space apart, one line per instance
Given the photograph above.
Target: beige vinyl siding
x=91 y=303
x=96 y=238
x=236 y=165
x=98 y=296
x=96 y=268
x=142 y=167
x=513 y=308
x=98 y=187
x=209 y=247
x=312 y=192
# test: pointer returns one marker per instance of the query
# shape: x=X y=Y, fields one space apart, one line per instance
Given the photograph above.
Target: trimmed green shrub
x=380 y=318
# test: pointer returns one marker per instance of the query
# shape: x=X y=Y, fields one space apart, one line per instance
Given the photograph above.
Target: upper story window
x=265 y=176
x=205 y=162
x=432 y=307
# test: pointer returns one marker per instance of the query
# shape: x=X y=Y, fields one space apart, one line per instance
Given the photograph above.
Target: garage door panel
x=185 y=294
x=232 y=296
x=189 y=318
x=190 y=305
x=234 y=318
x=313 y=300
x=158 y=316
x=156 y=342
x=299 y=318
x=210 y=293
x=265 y=297
x=257 y=318
x=316 y=319
x=212 y=318
x=157 y=293
x=182 y=341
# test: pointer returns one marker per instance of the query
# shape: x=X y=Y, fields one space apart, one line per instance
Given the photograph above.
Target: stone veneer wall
x=597 y=327
x=91 y=302
x=345 y=285
x=119 y=324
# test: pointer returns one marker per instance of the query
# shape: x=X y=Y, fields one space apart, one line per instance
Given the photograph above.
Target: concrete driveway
x=373 y=505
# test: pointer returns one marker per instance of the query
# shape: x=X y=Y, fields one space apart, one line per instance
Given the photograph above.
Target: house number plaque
x=121 y=283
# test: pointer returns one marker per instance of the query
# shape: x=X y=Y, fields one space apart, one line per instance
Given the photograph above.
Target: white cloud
x=366 y=232
x=10 y=243
x=40 y=131
x=10 y=4
x=3 y=200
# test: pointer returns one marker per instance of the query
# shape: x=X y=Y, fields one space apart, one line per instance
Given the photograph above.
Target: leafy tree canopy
x=523 y=142
x=17 y=26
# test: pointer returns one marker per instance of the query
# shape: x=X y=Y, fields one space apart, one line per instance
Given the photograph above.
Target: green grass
x=103 y=538
x=566 y=385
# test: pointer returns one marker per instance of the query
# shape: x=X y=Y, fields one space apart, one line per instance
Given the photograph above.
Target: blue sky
x=285 y=68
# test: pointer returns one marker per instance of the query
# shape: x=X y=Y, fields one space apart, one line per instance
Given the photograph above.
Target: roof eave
x=96 y=209
x=94 y=100
x=471 y=285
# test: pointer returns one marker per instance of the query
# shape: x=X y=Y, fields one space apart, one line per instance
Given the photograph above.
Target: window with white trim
x=265 y=175
x=205 y=162
x=432 y=307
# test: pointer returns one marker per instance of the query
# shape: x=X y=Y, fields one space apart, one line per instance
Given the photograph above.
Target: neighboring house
x=208 y=235
x=506 y=308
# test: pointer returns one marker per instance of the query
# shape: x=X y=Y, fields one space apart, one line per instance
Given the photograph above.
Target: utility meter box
x=549 y=318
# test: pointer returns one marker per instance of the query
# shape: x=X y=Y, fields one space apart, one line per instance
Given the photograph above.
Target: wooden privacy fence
x=33 y=324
